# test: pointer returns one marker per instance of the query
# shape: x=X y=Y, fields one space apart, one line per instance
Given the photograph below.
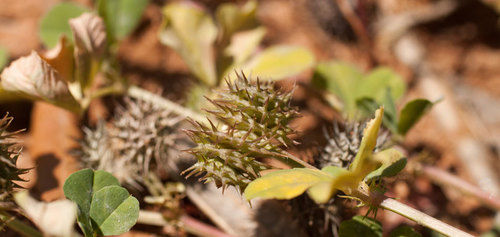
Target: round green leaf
x=79 y=188
x=404 y=231
x=121 y=16
x=114 y=211
x=360 y=226
x=411 y=113
x=55 y=22
x=375 y=84
x=340 y=79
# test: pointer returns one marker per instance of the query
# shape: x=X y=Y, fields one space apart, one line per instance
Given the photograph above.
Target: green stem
x=409 y=212
x=19 y=226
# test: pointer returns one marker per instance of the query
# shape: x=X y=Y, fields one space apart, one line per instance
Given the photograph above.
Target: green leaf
x=113 y=210
x=404 y=231
x=79 y=188
x=392 y=163
x=390 y=113
x=411 y=113
x=363 y=164
x=494 y=232
x=121 y=16
x=4 y=56
x=279 y=62
x=340 y=79
x=191 y=33
x=360 y=226
x=285 y=184
x=375 y=84
x=55 y=22
x=80 y=185
x=368 y=106
x=232 y=18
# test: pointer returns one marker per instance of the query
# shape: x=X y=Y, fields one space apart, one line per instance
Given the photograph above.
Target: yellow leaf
x=285 y=184
x=279 y=62
x=323 y=191
x=363 y=164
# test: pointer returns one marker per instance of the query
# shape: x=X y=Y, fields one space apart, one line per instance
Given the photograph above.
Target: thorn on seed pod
x=9 y=172
x=255 y=119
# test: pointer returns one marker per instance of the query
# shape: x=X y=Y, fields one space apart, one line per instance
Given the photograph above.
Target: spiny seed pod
x=140 y=138
x=343 y=146
x=95 y=149
x=9 y=172
x=254 y=125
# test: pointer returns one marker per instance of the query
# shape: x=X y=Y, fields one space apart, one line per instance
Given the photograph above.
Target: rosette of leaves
x=9 y=172
x=212 y=47
x=322 y=184
x=140 y=138
x=358 y=95
x=254 y=124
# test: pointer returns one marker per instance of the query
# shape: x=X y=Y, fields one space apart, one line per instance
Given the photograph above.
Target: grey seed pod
x=137 y=141
x=343 y=144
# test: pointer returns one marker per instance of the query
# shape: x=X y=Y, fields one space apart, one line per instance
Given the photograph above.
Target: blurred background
x=447 y=50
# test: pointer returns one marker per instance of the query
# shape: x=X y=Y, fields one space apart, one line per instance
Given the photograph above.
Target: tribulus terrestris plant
x=254 y=124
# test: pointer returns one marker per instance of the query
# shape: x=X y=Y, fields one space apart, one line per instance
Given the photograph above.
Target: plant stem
x=299 y=161
x=444 y=178
x=19 y=226
x=139 y=93
x=422 y=218
x=190 y=224
x=410 y=213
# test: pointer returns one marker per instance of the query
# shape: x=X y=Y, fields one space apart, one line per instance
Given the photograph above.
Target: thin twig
x=139 y=93
x=410 y=213
x=298 y=160
x=447 y=179
x=191 y=225
x=422 y=218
